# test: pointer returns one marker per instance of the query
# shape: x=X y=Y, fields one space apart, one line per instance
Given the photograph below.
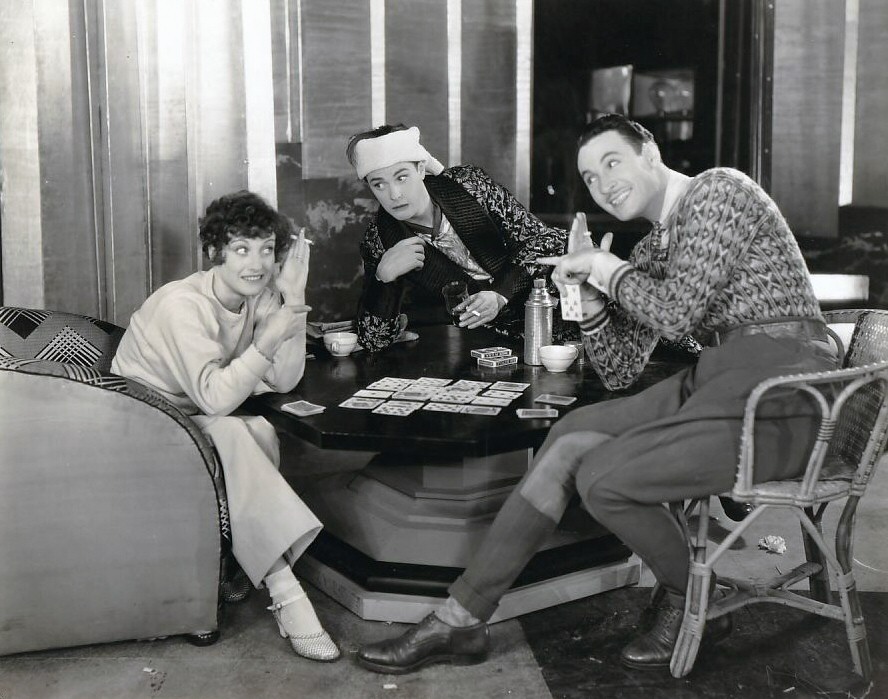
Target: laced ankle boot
x=653 y=648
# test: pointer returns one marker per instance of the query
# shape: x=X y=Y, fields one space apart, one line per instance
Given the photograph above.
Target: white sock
x=453 y=613
x=298 y=616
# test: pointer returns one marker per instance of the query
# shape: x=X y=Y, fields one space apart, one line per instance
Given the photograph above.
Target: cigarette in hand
x=296 y=237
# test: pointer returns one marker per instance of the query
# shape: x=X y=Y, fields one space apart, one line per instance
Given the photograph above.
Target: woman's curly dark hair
x=243 y=214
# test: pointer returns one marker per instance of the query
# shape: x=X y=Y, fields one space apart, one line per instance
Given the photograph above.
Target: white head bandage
x=395 y=147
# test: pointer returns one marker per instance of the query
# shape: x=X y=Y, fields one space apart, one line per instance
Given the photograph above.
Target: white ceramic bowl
x=557 y=357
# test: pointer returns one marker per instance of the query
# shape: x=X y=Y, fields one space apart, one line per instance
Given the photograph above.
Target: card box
x=498 y=362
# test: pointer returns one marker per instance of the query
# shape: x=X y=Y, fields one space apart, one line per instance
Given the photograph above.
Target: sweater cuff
x=594 y=323
x=255 y=361
x=617 y=278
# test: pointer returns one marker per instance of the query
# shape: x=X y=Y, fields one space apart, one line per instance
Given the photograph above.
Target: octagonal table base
x=400 y=530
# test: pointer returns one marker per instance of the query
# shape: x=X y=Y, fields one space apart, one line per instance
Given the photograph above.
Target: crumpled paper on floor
x=773 y=544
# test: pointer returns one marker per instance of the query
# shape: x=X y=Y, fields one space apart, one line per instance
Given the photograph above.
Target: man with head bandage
x=437 y=225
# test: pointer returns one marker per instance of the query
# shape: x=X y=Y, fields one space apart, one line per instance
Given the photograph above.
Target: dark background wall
x=571 y=39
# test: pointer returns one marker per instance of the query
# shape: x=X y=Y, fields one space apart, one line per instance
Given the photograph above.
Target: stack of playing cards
x=494 y=356
x=302 y=408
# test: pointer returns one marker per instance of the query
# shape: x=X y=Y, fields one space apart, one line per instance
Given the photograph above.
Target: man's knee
x=576 y=421
x=598 y=484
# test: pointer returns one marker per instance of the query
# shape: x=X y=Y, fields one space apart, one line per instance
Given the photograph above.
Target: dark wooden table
x=441 y=352
x=400 y=529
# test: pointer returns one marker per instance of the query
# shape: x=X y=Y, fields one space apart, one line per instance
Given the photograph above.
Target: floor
x=566 y=652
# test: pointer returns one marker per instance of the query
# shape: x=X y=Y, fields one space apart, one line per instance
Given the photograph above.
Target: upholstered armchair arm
x=853 y=419
x=107 y=381
x=108 y=508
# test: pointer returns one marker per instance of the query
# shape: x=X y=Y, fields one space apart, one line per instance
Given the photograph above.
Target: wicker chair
x=112 y=508
x=851 y=440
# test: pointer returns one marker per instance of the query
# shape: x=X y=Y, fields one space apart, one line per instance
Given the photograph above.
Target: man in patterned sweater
x=435 y=226
x=720 y=263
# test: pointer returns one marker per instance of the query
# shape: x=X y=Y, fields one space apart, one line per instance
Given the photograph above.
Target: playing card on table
x=430 y=381
x=372 y=393
x=414 y=393
x=511 y=395
x=412 y=404
x=571 y=305
x=361 y=403
x=302 y=408
x=536 y=412
x=509 y=386
x=480 y=410
x=469 y=384
x=554 y=399
x=443 y=407
x=397 y=408
x=481 y=400
x=390 y=383
x=454 y=396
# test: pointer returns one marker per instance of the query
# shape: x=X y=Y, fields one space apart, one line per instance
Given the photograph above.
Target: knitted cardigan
x=725 y=256
x=501 y=235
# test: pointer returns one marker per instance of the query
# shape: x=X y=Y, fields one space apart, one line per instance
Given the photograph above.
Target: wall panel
x=119 y=122
x=335 y=82
x=123 y=174
x=217 y=96
x=285 y=70
x=871 y=124
x=19 y=159
x=488 y=87
x=164 y=37
x=416 y=69
x=807 y=113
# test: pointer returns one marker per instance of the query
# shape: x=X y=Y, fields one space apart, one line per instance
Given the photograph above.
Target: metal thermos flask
x=538 y=311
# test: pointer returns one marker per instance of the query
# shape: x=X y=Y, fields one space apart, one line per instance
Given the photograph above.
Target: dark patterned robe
x=501 y=235
x=725 y=256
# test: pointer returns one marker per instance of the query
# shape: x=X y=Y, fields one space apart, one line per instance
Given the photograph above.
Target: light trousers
x=268 y=519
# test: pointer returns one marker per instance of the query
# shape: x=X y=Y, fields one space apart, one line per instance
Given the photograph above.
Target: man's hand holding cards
x=579 y=300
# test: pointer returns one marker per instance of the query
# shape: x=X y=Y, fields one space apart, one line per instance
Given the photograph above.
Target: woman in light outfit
x=208 y=342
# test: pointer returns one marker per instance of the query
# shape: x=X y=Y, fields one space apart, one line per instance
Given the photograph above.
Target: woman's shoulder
x=182 y=296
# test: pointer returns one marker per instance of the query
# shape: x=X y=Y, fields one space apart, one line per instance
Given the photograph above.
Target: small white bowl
x=557 y=357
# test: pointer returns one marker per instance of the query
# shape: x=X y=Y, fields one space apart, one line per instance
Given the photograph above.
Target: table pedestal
x=398 y=532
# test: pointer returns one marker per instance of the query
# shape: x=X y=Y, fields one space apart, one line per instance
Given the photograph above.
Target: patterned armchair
x=110 y=526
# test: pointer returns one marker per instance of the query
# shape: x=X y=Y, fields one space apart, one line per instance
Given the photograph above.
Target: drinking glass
x=454 y=294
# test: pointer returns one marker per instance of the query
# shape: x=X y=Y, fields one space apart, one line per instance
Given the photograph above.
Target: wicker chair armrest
x=831 y=391
x=843 y=315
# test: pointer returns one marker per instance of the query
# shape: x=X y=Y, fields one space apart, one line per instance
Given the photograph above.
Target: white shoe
x=314 y=646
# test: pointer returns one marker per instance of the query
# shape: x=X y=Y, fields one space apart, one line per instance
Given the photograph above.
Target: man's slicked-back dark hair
x=632 y=131
x=242 y=214
x=354 y=139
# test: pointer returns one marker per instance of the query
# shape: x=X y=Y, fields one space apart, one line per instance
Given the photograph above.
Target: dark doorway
x=681 y=68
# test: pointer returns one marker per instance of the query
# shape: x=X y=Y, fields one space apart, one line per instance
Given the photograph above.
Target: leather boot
x=430 y=641
x=654 y=647
x=734 y=510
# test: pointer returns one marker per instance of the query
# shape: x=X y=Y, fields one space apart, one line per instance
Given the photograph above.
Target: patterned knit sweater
x=724 y=257
x=502 y=236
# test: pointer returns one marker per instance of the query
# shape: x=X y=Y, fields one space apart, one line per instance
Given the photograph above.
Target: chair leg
x=855 y=625
x=696 y=601
x=819 y=583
